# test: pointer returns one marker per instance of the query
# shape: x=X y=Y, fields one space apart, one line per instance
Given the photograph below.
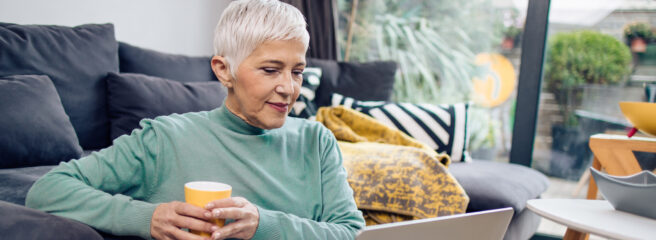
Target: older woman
x=287 y=172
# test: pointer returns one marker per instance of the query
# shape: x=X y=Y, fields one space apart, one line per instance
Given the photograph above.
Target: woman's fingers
x=227 y=202
x=168 y=218
x=194 y=224
x=232 y=213
x=244 y=213
x=239 y=229
x=194 y=218
x=176 y=233
x=186 y=209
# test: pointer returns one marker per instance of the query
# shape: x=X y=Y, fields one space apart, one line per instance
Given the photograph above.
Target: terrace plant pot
x=570 y=154
x=508 y=43
x=638 y=45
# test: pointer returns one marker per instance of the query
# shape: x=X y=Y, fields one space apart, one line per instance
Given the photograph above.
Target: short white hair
x=245 y=24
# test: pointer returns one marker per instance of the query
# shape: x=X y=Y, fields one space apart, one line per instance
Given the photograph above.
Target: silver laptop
x=491 y=224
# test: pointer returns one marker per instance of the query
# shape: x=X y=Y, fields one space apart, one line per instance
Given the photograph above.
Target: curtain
x=320 y=16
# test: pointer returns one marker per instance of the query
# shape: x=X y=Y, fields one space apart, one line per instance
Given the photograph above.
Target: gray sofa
x=105 y=87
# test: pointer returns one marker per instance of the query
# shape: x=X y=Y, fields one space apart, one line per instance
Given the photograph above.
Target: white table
x=594 y=216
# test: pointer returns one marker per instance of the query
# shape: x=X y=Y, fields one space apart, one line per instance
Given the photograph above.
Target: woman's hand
x=242 y=211
x=169 y=218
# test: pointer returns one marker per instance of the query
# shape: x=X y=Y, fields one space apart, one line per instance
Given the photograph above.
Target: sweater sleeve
x=340 y=218
x=104 y=188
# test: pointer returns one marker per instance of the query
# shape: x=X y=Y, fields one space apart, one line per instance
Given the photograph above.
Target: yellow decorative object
x=498 y=84
x=394 y=177
x=641 y=114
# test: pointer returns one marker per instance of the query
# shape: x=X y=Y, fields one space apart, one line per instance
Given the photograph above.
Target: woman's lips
x=280 y=107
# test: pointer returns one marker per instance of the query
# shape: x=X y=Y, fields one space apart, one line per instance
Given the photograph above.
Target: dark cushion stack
x=132 y=97
x=77 y=59
x=34 y=128
x=370 y=81
x=181 y=68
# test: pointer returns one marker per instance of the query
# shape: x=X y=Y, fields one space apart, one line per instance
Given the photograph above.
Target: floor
x=560 y=188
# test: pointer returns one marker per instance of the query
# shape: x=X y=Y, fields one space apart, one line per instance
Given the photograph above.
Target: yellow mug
x=200 y=193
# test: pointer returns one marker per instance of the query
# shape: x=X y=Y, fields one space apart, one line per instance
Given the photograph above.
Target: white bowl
x=635 y=193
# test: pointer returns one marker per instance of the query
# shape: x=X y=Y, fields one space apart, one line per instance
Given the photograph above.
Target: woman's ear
x=222 y=71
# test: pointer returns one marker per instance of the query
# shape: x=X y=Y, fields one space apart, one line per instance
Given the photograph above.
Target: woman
x=286 y=172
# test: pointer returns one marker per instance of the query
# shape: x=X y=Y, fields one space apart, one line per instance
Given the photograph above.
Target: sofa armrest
x=15 y=182
x=24 y=223
x=491 y=185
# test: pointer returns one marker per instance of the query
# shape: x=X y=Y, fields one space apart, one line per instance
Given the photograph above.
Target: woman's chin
x=273 y=124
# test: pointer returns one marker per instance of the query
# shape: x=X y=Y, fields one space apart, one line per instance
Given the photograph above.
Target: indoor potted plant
x=638 y=35
x=510 y=36
x=576 y=60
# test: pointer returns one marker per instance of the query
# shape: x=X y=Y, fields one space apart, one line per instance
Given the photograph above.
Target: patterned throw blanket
x=394 y=177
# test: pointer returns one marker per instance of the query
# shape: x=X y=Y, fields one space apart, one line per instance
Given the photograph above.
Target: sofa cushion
x=491 y=185
x=26 y=223
x=304 y=107
x=16 y=182
x=34 y=128
x=132 y=97
x=372 y=81
x=441 y=127
x=171 y=66
x=76 y=59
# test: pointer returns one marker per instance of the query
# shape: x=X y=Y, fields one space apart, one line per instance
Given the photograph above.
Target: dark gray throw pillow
x=171 y=66
x=368 y=81
x=77 y=60
x=34 y=129
x=132 y=97
x=19 y=222
x=492 y=185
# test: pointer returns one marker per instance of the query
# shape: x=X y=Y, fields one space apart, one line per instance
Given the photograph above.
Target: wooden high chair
x=614 y=154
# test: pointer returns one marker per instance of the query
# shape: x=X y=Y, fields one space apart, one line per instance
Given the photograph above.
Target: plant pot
x=508 y=43
x=568 y=100
x=638 y=45
x=570 y=154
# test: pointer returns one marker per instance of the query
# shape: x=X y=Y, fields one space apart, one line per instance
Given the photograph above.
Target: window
x=596 y=56
x=448 y=52
x=469 y=51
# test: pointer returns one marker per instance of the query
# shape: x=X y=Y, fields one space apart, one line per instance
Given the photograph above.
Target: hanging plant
x=638 y=35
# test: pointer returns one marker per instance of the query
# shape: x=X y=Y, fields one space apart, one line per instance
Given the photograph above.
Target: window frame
x=530 y=81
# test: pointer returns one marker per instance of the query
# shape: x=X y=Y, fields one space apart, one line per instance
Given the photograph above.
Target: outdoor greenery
x=511 y=24
x=512 y=32
x=434 y=43
x=638 y=30
x=583 y=57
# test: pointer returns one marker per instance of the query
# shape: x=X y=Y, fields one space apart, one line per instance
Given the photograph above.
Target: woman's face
x=267 y=82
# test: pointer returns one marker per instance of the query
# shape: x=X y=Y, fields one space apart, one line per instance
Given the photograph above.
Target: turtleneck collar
x=234 y=123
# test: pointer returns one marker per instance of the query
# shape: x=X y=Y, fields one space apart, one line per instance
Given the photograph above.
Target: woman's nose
x=286 y=85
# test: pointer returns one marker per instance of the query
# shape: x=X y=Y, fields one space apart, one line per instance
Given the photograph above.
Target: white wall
x=173 y=26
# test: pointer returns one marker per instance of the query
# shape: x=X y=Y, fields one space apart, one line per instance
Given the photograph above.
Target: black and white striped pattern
x=441 y=127
x=304 y=107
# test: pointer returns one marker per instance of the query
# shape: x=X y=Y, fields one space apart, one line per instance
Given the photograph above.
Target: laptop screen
x=491 y=224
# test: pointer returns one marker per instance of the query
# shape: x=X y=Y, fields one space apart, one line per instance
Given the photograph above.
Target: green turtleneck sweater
x=293 y=174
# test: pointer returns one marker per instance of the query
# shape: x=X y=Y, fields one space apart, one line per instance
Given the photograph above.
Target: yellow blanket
x=393 y=176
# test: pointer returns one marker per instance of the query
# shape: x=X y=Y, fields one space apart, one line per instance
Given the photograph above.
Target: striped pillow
x=441 y=127
x=304 y=107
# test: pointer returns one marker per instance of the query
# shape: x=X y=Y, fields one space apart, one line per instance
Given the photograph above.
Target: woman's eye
x=298 y=73
x=269 y=70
